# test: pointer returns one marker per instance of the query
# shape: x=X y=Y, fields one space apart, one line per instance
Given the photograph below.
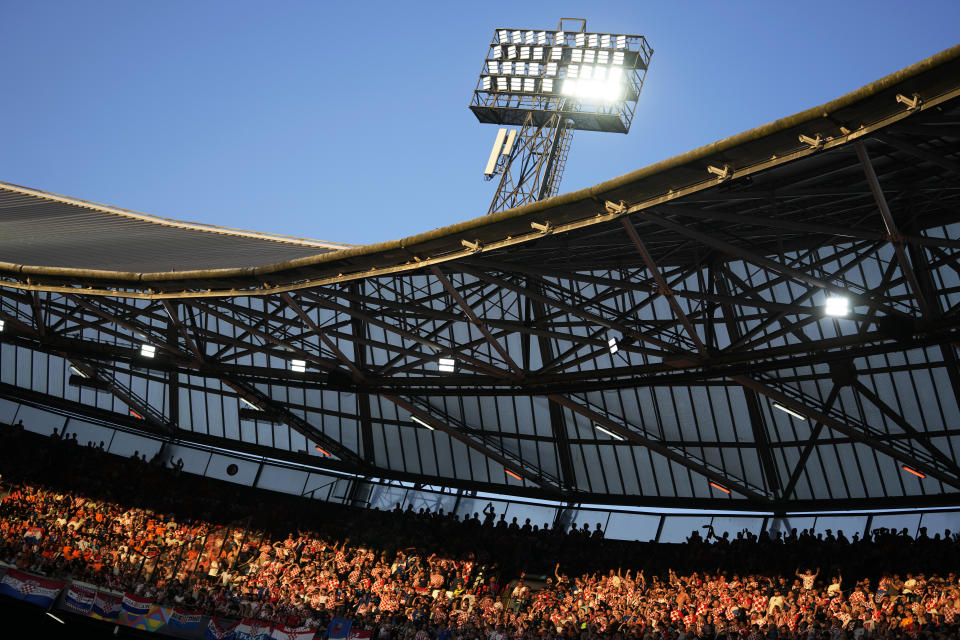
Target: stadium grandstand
x=508 y=428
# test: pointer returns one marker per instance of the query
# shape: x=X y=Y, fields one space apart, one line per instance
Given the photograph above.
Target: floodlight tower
x=551 y=83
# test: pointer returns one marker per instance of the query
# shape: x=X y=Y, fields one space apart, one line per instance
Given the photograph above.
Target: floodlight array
x=548 y=71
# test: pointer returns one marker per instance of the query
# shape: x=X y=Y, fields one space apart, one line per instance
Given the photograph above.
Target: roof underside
x=710 y=271
x=58 y=233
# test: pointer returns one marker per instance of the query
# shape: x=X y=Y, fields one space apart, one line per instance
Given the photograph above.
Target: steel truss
x=713 y=300
x=534 y=167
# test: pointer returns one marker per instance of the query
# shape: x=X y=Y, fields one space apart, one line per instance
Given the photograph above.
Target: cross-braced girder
x=652 y=346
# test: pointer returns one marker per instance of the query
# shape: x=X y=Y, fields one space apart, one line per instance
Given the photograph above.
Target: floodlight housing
x=148 y=350
x=590 y=107
x=298 y=366
x=788 y=411
x=837 y=306
x=447 y=365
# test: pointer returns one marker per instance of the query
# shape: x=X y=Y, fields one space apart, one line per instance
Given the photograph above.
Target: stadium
x=509 y=426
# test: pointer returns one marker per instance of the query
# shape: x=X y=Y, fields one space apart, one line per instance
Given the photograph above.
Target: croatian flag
x=33 y=589
x=219 y=630
x=339 y=628
x=135 y=605
x=358 y=634
x=253 y=630
x=282 y=632
x=105 y=606
x=79 y=599
x=183 y=619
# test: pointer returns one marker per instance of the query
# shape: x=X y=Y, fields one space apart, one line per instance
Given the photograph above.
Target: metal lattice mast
x=549 y=84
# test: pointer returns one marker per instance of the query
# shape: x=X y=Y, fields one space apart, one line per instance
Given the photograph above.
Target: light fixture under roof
x=248 y=403
x=3 y=323
x=914 y=472
x=447 y=365
x=837 y=306
x=421 y=422
x=608 y=432
x=719 y=487
x=148 y=350
x=78 y=372
x=299 y=366
x=512 y=474
x=798 y=416
x=614 y=347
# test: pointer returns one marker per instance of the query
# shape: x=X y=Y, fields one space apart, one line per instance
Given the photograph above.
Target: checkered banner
x=31 y=588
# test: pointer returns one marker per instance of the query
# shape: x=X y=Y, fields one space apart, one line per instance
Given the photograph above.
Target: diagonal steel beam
x=846 y=429
x=916 y=152
x=516 y=466
x=897 y=419
x=662 y=286
x=477 y=322
x=766 y=263
x=893 y=234
x=811 y=445
x=654 y=445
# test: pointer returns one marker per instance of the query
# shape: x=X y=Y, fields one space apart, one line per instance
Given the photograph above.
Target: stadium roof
x=656 y=339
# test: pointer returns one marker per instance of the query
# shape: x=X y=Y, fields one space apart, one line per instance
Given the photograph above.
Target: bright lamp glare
x=614 y=347
x=798 y=416
x=148 y=350
x=608 y=432
x=2 y=324
x=837 y=306
x=298 y=365
x=447 y=365
x=421 y=422
x=602 y=90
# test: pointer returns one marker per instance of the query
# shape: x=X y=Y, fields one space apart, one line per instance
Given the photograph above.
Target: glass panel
x=679 y=528
x=733 y=525
x=280 y=479
x=194 y=461
x=897 y=521
x=219 y=468
x=849 y=525
x=7 y=411
x=632 y=526
x=938 y=523
x=125 y=444
x=536 y=513
x=89 y=433
x=39 y=421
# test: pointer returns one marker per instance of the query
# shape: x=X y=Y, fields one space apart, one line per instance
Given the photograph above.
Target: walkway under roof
x=657 y=339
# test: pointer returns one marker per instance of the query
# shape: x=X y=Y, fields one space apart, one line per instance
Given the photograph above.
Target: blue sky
x=348 y=121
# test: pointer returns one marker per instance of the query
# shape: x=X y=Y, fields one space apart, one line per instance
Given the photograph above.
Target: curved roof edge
x=935 y=79
x=171 y=222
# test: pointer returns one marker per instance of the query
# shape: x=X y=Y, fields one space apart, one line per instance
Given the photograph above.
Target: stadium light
x=512 y=474
x=608 y=432
x=914 y=472
x=136 y=415
x=719 y=488
x=421 y=422
x=322 y=450
x=57 y=618
x=447 y=365
x=249 y=404
x=300 y=366
x=3 y=323
x=78 y=372
x=614 y=347
x=798 y=416
x=148 y=350
x=838 y=306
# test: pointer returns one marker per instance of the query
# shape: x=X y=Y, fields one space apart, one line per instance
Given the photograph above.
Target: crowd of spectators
x=75 y=511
